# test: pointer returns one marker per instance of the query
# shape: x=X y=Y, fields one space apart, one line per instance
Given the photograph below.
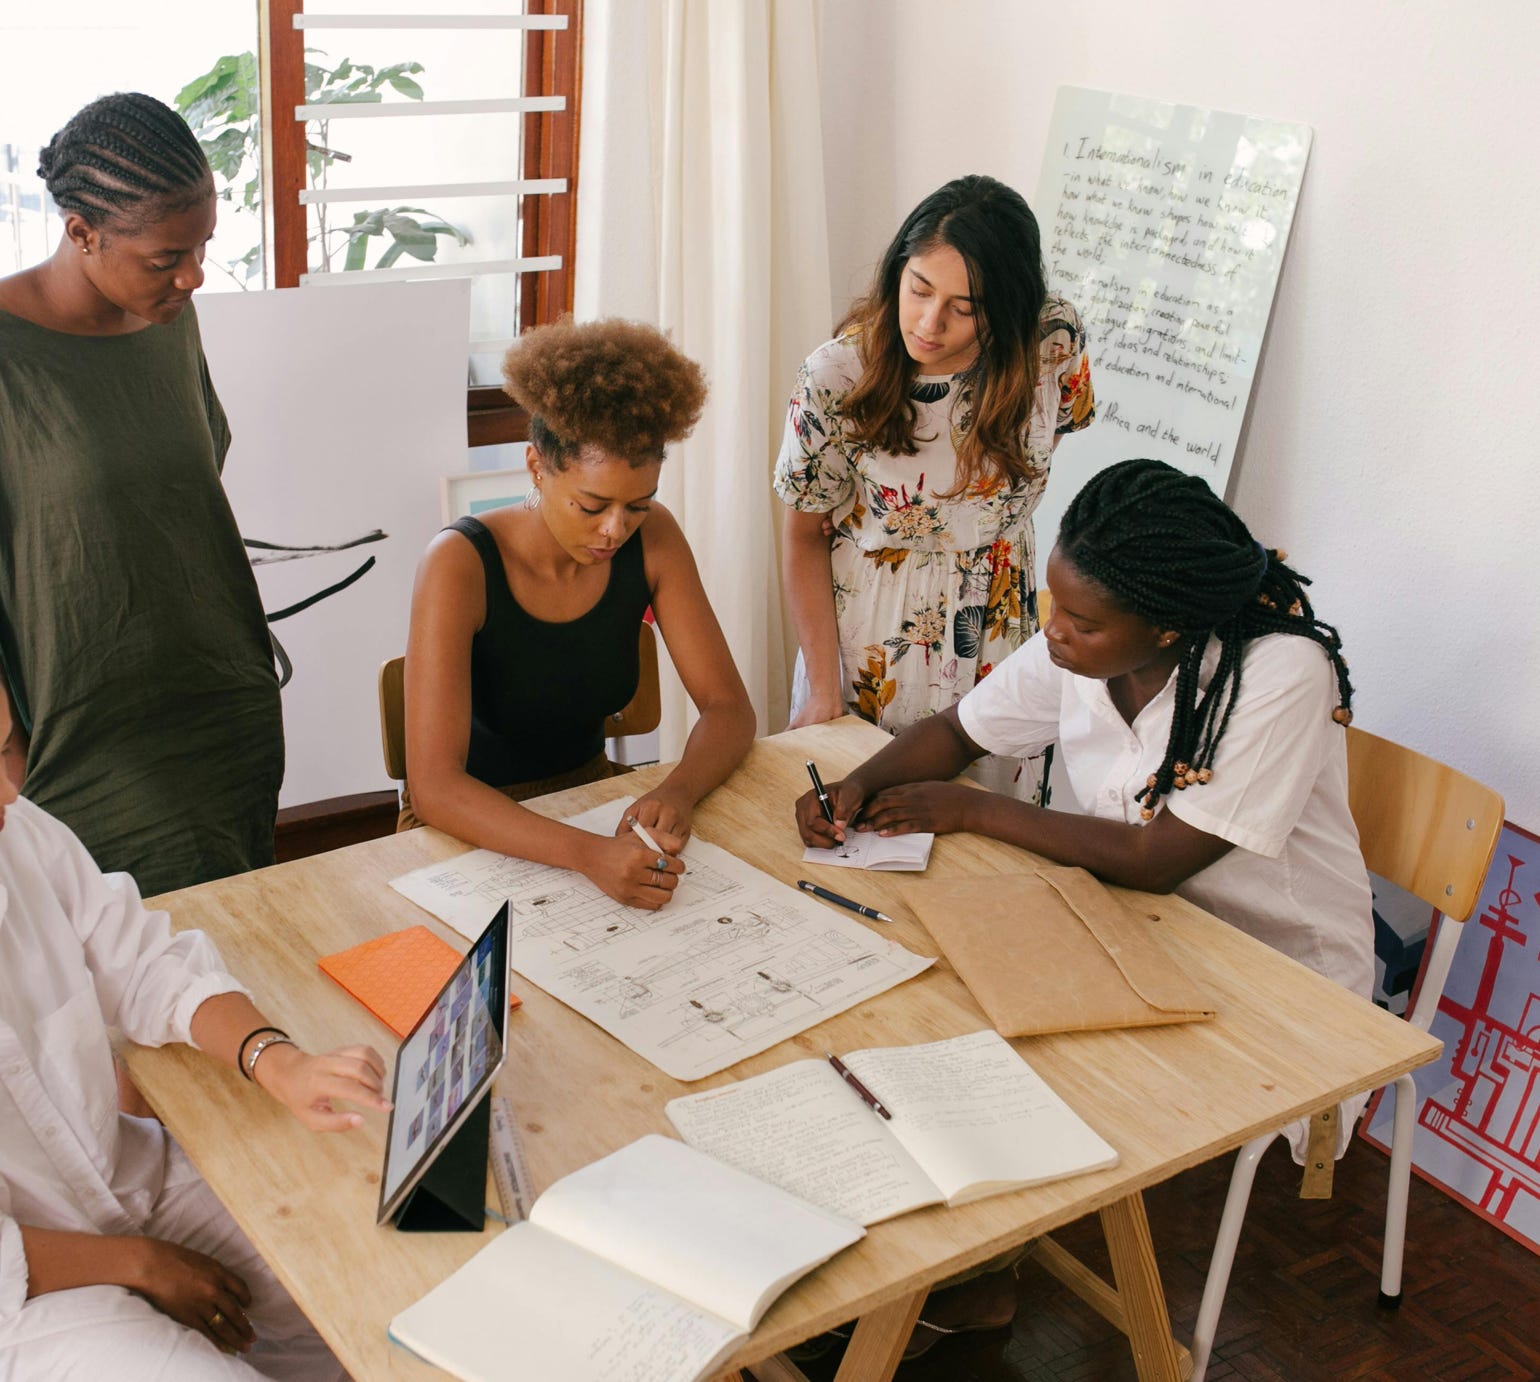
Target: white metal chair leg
x=1404 y=1092
x=1218 y=1281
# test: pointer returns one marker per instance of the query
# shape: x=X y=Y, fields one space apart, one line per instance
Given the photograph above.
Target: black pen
x=838 y=901
x=867 y=1097
x=824 y=803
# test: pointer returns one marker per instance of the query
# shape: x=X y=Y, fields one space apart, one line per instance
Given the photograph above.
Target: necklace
x=922 y=392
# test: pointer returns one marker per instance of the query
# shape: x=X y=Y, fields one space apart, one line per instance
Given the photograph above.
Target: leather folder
x=1055 y=951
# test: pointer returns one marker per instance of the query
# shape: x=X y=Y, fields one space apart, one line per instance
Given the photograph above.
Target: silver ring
x=661 y=866
x=628 y=821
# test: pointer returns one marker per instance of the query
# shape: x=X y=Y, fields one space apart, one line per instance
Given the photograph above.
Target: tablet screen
x=447 y=1063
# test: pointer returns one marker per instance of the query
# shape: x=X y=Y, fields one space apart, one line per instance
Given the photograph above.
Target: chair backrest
x=1422 y=825
x=641 y=715
x=393 y=717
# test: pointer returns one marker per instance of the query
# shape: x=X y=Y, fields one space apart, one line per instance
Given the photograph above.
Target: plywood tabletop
x=1285 y=1042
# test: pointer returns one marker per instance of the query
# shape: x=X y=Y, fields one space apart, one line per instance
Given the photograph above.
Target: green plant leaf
x=227 y=153
x=407 y=87
x=358 y=252
x=194 y=89
x=366 y=223
x=222 y=71
x=435 y=224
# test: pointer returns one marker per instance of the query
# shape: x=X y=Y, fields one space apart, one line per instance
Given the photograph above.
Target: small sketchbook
x=866 y=849
x=970 y=1118
x=650 y=1264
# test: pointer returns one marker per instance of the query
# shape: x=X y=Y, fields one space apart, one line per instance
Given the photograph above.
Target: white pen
x=651 y=844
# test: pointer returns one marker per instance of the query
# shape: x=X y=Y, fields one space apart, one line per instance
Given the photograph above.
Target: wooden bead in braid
x=1165 y=546
x=123 y=157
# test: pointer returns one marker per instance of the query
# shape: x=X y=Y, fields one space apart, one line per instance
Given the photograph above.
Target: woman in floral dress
x=923 y=433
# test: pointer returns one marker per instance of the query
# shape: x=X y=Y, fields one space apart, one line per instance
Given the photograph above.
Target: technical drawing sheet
x=737 y=962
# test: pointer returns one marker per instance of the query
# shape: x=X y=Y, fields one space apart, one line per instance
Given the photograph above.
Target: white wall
x=1393 y=444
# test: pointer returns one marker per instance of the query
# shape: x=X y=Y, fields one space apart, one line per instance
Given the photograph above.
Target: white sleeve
x=13 y=1260
x=1015 y=710
x=1273 y=749
x=148 y=982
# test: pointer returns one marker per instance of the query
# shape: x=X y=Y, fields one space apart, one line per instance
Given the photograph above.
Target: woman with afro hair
x=525 y=620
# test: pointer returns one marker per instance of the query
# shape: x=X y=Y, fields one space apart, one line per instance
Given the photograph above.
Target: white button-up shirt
x=79 y=953
x=1295 y=878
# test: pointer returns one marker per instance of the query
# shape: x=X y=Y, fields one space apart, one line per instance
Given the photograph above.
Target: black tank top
x=540 y=692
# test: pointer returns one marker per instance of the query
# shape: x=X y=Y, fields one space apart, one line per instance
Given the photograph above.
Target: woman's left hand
x=939 y=807
x=660 y=809
x=308 y=1085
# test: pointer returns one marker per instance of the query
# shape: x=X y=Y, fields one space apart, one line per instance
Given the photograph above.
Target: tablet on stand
x=435 y=1173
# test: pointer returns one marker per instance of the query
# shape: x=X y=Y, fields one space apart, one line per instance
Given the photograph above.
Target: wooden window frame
x=553 y=65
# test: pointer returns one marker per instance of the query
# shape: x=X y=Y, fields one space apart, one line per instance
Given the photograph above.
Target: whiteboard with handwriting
x=1166 y=226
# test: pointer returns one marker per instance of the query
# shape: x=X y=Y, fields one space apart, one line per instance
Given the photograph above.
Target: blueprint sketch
x=735 y=963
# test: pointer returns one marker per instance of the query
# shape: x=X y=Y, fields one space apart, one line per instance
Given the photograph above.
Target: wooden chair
x=1433 y=831
x=641 y=715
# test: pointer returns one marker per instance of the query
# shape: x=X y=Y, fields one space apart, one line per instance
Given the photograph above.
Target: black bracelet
x=240 y=1051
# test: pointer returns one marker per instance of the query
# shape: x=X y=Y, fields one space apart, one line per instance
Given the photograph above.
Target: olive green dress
x=131 y=630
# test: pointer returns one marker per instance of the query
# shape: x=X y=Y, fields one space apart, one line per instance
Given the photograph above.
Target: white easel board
x=346 y=409
x=1166 y=226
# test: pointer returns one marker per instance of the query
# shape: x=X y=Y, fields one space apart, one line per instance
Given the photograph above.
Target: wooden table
x=1286 y=1042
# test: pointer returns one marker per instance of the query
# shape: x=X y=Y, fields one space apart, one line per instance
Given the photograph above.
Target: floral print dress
x=930 y=592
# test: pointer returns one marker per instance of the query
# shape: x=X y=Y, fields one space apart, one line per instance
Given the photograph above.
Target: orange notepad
x=396 y=976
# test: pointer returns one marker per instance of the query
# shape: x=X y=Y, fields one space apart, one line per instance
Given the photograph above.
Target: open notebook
x=866 y=849
x=649 y=1264
x=970 y=1118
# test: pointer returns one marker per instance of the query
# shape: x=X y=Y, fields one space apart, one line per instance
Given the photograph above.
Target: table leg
x=1138 y=1279
x=877 y=1346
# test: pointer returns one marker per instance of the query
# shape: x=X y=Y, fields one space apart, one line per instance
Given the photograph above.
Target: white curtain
x=701 y=209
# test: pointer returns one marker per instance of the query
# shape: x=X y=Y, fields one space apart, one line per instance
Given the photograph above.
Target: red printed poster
x=1478 y=1105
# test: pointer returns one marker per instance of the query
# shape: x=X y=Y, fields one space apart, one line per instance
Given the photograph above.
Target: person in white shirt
x=1198 y=704
x=116 y=1259
x=1199 y=707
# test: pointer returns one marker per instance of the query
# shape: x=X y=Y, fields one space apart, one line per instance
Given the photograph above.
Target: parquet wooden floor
x=1302 y=1301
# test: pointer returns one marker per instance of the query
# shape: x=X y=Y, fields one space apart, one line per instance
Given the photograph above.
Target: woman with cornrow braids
x=1198 y=703
x=131 y=632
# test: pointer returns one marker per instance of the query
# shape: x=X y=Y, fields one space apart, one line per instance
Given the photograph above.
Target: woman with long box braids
x=1199 y=705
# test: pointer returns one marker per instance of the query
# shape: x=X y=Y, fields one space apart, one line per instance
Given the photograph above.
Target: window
x=392 y=176
x=472 y=173
x=56 y=58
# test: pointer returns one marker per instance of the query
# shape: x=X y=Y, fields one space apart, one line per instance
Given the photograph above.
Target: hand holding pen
x=661 y=809
x=824 y=814
x=640 y=870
